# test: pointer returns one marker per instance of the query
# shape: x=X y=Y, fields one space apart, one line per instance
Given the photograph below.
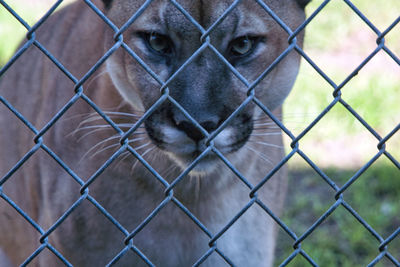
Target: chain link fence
x=84 y=184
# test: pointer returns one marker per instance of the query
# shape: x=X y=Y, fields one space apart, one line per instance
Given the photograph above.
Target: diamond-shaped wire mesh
x=126 y=134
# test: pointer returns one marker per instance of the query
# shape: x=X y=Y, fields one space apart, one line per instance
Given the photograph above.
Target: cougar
x=154 y=155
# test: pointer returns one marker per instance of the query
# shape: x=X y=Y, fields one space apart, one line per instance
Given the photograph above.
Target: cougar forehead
x=204 y=12
x=201 y=11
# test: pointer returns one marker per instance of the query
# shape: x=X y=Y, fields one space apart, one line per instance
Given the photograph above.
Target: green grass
x=341 y=240
x=338 y=41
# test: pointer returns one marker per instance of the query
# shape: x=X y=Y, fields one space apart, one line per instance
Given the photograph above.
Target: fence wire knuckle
x=124 y=135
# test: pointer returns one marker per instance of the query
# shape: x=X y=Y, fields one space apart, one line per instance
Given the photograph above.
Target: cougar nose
x=193 y=132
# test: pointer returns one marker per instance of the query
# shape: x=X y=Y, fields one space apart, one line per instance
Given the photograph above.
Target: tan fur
x=128 y=191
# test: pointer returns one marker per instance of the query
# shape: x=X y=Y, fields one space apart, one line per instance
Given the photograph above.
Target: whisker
x=139 y=133
x=265 y=128
x=115 y=113
x=261 y=155
x=96 y=77
x=264 y=121
x=148 y=150
x=81 y=115
x=90 y=132
x=103 y=149
x=108 y=147
x=262 y=117
x=141 y=146
x=266 y=144
x=169 y=170
x=267 y=118
x=122 y=157
x=94 y=116
x=120 y=125
x=97 y=128
x=197 y=182
x=99 y=144
x=265 y=124
x=266 y=134
x=142 y=155
x=127 y=153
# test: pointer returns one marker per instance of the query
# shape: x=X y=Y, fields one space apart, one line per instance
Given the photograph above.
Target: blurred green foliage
x=337 y=22
x=338 y=41
x=11 y=30
x=341 y=240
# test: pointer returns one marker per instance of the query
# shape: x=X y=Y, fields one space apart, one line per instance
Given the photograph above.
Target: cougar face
x=197 y=71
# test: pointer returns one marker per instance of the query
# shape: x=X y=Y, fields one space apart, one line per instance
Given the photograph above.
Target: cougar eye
x=159 y=43
x=242 y=46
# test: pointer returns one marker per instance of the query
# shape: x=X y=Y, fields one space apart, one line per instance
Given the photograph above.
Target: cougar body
x=168 y=140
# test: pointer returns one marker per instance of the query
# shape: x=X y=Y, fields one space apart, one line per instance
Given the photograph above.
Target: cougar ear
x=303 y=3
x=107 y=3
